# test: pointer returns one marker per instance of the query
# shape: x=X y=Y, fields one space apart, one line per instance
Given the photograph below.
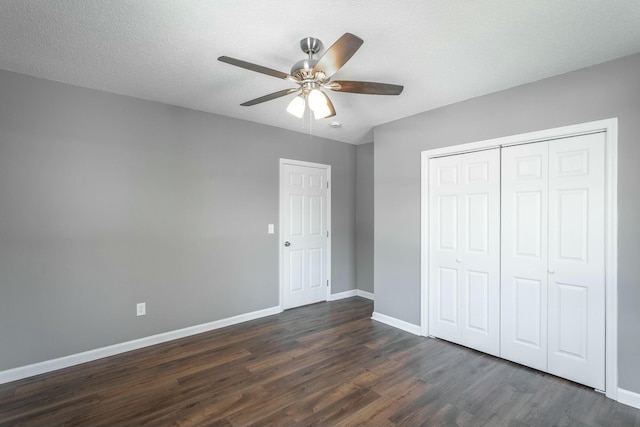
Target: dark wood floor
x=325 y=364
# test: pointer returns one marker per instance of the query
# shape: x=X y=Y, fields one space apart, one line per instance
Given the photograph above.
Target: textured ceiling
x=442 y=51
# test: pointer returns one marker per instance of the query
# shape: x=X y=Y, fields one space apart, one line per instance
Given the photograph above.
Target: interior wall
x=107 y=201
x=604 y=91
x=364 y=217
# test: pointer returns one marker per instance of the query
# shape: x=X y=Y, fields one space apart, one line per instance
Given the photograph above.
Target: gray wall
x=607 y=90
x=364 y=217
x=106 y=201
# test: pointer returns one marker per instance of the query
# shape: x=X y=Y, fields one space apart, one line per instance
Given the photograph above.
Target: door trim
x=281 y=286
x=610 y=126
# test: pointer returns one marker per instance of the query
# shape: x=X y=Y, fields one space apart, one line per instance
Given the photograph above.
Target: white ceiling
x=442 y=51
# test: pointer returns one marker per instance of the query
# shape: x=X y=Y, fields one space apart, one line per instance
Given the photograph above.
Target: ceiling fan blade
x=254 y=67
x=338 y=54
x=370 y=88
x=269 y=97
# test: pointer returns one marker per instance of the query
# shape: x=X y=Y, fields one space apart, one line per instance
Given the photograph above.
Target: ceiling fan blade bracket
x=293 y=79
x=333 y=86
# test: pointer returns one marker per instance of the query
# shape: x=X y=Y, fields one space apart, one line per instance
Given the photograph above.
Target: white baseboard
x=397 y=323
x=351 y=293
x=629 y=398
x=342 y=295
x=364 y=294
x=88 y=356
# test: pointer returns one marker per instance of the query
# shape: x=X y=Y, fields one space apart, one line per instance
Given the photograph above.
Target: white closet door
x=576 y=259
x=464 y=216
x=479 y=256
x=524 y=254
x=553 y=288
x=445 y=177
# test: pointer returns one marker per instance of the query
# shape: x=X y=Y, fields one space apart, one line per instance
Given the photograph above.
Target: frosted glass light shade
x=296 y=106
x=318 y=104
x=321 y=113
x=316 y=100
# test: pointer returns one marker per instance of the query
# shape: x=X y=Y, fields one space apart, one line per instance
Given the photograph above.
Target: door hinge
x=327 y=283
x=327 y=233
x=327 y=184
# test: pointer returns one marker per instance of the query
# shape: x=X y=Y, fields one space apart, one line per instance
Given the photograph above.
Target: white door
x=576 y=259
x=524 y=254
x=304 y=233
x=464 y=251
x=553 y=278
x=444 y=229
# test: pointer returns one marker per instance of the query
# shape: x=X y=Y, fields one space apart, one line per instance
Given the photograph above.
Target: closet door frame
x=610 y=126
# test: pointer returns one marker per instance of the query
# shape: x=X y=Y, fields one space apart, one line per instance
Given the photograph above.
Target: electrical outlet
x=270 y=229
x=141 y=309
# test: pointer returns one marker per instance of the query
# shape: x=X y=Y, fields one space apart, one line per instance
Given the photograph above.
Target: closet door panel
x=464 y=248
x=479 y=255
x=447 y=294
x=576 y=259
x=444 y=228
x=524 y=254
x=447 y=223
x=528 y=302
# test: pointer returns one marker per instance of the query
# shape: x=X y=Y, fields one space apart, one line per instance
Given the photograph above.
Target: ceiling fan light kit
x=318 y=103
x=312 y=75
x=296 y=106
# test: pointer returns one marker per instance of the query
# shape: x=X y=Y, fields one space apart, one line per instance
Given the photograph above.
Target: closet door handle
x=551 y=271
x=458 y=260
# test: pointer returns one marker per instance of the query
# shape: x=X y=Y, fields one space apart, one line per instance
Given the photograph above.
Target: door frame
x=610 y=126
x=281 y=286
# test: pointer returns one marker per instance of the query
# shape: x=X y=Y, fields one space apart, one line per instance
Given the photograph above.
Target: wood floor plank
x=323 y=364
x=375 y=414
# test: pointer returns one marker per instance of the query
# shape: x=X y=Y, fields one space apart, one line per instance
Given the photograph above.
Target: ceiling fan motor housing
x=302 y=69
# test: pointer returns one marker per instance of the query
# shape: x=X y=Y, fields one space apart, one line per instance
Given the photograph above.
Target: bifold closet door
x=464 y=249
x=524 y=254
x=553 y=279
x=576 y=259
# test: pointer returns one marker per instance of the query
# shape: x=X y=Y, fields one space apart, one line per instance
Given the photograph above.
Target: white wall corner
x=629 y=398
x=99 y=353
x=342 y=295
x=397 y=323
x=364 y=294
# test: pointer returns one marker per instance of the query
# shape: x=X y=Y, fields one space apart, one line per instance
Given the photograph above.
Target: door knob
x=287 y=244
x=458 y=260
x=551 y=271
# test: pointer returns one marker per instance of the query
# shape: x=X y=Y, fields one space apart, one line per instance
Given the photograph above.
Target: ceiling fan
x=312 y=75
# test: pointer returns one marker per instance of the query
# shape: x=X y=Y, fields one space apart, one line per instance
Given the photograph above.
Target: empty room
x=344 y=213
